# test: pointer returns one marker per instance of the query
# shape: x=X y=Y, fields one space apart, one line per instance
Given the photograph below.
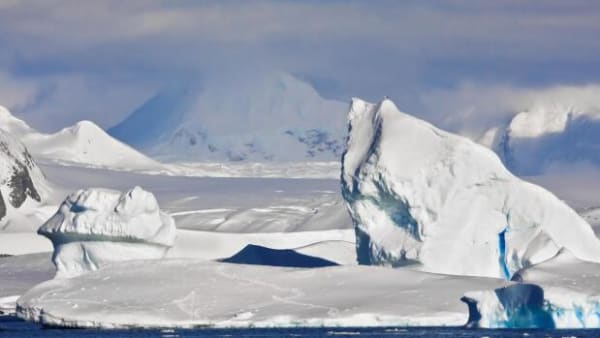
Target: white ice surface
x=189 y=293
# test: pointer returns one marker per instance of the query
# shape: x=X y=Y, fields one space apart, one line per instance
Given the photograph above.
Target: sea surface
x=13 y=327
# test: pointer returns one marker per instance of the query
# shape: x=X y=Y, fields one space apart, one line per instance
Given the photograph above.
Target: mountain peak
x=273 y=116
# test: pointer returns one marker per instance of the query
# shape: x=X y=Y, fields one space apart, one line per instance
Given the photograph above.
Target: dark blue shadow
x=258 y=255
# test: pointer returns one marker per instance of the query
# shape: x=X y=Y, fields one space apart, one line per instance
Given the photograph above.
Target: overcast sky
x=454 y=62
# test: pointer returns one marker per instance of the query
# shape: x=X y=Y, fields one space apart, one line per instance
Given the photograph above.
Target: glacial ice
x=419 y=195
x=94 y=227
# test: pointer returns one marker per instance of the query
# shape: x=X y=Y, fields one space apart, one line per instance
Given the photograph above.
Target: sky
x=465 y=65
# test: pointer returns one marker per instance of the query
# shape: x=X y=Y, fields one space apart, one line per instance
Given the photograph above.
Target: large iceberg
x=95 y=227
x=419 y=195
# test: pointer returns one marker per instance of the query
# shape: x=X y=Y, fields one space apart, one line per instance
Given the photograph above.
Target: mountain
x=270 y=117
x=420 y=195
x=22 y=183
x=540 y=138
x=83 y=143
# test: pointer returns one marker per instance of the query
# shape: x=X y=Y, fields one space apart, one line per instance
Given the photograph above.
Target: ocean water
x=13 y=327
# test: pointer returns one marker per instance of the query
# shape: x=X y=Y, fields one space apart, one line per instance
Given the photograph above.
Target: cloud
x=112 y=52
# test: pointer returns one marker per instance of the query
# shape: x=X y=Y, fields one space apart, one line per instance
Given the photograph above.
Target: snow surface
x=189 y=293
x=274 y=117
x=539 y=139
x=419 y=195
x=95 y=227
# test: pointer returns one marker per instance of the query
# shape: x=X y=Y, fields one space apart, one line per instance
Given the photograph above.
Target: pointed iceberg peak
x=387 y=104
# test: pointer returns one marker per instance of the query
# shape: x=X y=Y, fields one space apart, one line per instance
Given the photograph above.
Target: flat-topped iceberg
x=420 y=195
x=94 y=227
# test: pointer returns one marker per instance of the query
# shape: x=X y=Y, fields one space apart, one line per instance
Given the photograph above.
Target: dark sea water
x=12 y=327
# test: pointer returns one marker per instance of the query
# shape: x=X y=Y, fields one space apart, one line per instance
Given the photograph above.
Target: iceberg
x=94 y=227
x=422 y=196
x=188 y=293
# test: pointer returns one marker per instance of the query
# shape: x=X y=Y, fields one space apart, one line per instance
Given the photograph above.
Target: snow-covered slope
x=94 y=227
x=83 y=143
x=272 y=117
x=22 y=183
x=544 y=136
x=420 y=195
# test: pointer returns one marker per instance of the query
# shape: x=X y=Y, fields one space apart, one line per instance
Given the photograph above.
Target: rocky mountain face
x=19 y=175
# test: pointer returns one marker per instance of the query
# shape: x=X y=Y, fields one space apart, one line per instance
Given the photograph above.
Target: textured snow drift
x=187 y=293
x=420 y=195
x=96 y=226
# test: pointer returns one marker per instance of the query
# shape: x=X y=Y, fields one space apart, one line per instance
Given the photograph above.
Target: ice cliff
x=94 y=227
x=419 y=195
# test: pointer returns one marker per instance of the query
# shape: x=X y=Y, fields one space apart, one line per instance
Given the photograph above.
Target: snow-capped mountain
x=273 y=117
x=22 y=183
x=84 y=143
x=537 y=139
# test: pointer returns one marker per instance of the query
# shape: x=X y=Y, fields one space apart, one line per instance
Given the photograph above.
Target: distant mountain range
x=545 y=137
